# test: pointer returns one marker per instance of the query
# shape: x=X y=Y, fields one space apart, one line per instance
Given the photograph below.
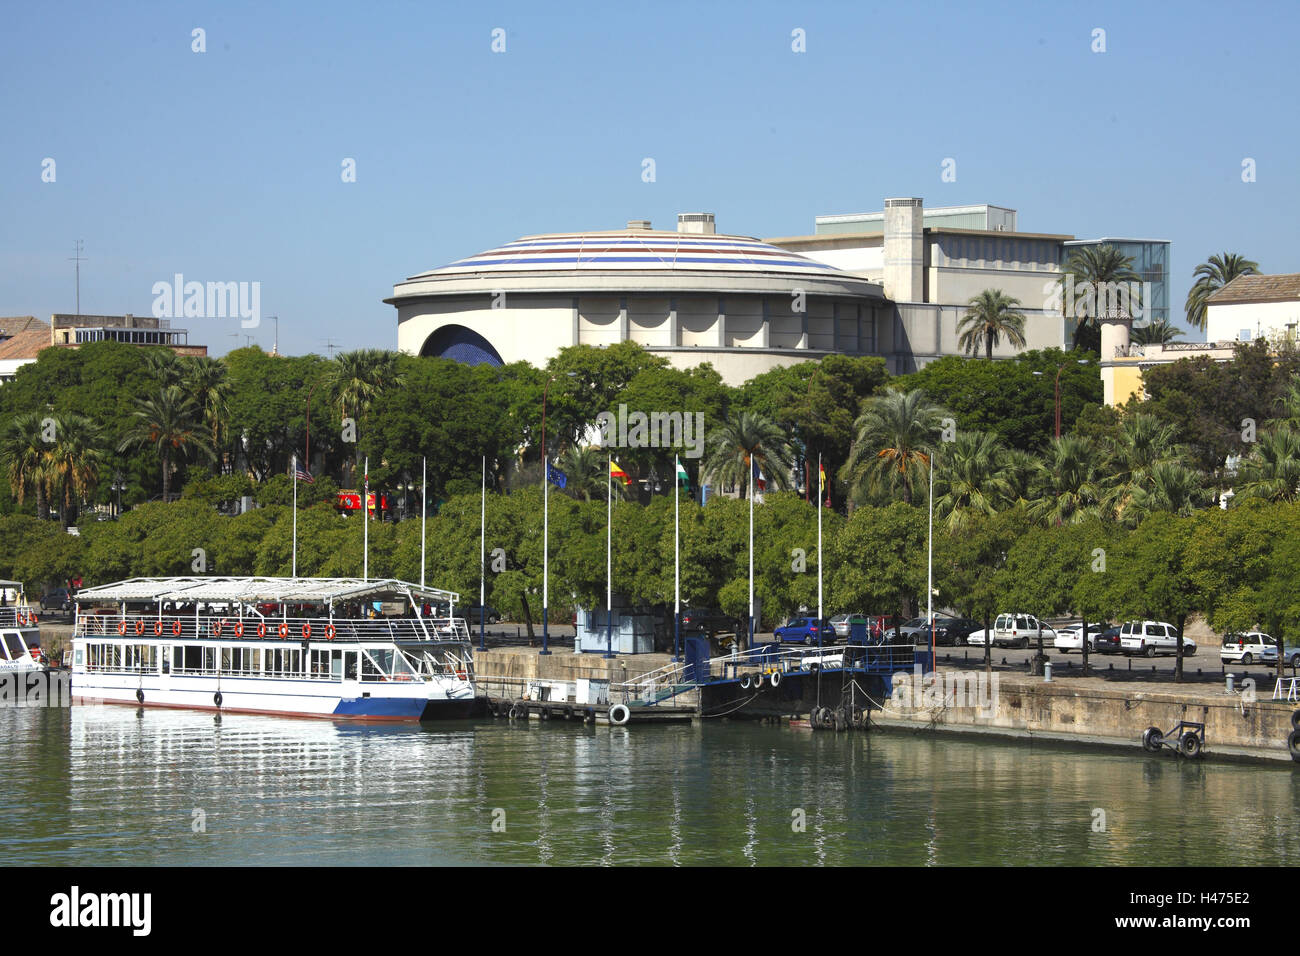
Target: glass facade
x=1151 y=263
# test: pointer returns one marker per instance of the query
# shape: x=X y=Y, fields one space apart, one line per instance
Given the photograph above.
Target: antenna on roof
x=80 y=246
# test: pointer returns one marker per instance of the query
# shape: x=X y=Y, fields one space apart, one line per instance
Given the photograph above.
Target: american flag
x=303 y=475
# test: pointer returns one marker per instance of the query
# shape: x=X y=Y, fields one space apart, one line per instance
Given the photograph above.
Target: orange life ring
x=261 y=630
x=31 y=618
x=329 y=631
x=216 y=628
x=157 y=628
x=139 y=626
x=176 y=628
x=21 y=618
x=239 y=629
x=462 y=675
x=121 y=627
x=284 y=629
x=306 y=631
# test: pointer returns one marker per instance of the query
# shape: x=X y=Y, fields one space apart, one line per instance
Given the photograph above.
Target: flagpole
x=365 y=524
x=294 y=573
x=482 y=560
x=929 y=565
x=677 y=560
x=819 y=541
x=424 y=509
x=609 y=561
x=753 y=467
x=546 y=554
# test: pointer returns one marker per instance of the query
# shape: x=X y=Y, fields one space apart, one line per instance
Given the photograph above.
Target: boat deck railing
x=18 y=615
x=226 y=628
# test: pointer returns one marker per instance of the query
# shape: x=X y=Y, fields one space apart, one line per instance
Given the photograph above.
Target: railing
x=347 y=630
x=18 y=615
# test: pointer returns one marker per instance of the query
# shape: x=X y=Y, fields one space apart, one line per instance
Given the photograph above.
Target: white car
x=1249 y=647
x=976 y=637
x=1149 y=638
x=1070 y=638
x=1019 y=630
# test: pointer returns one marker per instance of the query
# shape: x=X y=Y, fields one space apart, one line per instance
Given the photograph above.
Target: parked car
x=1070 y=638
x=1248 y=648
x=843 y=622
x=475 y=613
x=804 y=630
x=56 y=599
x=707 y=620
x=1149 y=638
x=1020 y=630
x=976 y=637
x=952 y=631
x=1108 y=641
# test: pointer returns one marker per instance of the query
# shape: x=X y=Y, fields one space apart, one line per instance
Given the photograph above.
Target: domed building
x=691 y=296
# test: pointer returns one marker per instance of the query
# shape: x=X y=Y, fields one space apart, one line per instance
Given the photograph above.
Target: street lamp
x=119 y=486
x=1060 y=368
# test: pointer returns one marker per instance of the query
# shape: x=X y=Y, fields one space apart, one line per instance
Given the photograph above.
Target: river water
x=107 y=785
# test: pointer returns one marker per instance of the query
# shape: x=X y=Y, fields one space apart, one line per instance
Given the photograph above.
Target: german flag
x=618 y=474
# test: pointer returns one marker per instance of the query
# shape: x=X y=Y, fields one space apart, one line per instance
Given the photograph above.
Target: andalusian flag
x=682 y=476
x=618 y=474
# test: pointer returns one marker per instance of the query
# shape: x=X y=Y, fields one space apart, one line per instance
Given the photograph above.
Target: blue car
x=803 y=630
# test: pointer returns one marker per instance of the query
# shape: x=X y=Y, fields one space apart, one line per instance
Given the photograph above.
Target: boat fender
x=1293 y=745
x=514 y=712
x=1295 y=720
x=216 y=698
x=776 y=678
x=139 y=696
x=619 y=715
x=758 y=681
x=744 y=682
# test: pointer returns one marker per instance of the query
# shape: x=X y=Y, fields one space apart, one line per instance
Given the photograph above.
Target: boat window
x=336 y=665
x=11 y=646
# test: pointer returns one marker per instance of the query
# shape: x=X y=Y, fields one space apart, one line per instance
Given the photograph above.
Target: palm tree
x=587 y=473
x=358 y=378
x=1068 y=489
x=744 y=438
x=26 y=456
x=1159 y=332
x=1143 y=442
x=970 y=478
x=1272 y=470
x=172 y=425
x=207 y=380
x=1211 y=276
x=165 y=366
x=1102 y=266
x=1171 y=487
x=74 y=461
x=989 y=318
x=896 y=431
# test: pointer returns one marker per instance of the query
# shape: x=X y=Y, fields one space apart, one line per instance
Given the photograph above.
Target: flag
x=556 y=477
x=682 y=476
x=618 y=473
x=760 y=483
x=303 y=476
x=822 y=487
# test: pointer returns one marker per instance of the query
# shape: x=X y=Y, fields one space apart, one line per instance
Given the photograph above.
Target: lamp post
x=1057 y=391
x=119 y=486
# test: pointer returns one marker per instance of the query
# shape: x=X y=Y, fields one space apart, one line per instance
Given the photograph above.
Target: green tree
x=170 y=425
x=1158 y=332
x=991 y=316
x=1068 y=487
x=74 y=462
x=26 y=456
x=1272 y=469
x=742 y=440
x=1093 y=269
x=1209 y=277
x=896 y=432
x=970 y=478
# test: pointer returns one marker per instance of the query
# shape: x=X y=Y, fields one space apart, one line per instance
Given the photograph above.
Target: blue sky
x=225 y=165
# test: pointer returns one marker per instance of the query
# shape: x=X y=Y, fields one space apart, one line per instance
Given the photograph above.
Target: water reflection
x=109 y=786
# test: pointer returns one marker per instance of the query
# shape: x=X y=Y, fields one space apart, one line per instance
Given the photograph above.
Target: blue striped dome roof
x=636 y=251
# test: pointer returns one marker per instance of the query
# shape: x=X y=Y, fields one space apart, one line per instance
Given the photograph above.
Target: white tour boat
x=305 y=647
x=20 y=637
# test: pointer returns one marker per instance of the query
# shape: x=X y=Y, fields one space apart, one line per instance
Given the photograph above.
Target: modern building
x=894 y=283
x=690 y=295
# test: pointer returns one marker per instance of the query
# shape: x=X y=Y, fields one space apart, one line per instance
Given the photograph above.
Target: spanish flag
x=618 y=474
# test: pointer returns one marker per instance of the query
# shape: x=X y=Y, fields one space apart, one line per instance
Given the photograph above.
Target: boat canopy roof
x=259 y=590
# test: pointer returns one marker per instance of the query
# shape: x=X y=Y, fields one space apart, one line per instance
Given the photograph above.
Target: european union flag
x=556 y=477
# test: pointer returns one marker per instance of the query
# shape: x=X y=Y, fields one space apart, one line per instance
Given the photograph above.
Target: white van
x=1149 y=638
x=1014 y=630
x=1249 y=647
